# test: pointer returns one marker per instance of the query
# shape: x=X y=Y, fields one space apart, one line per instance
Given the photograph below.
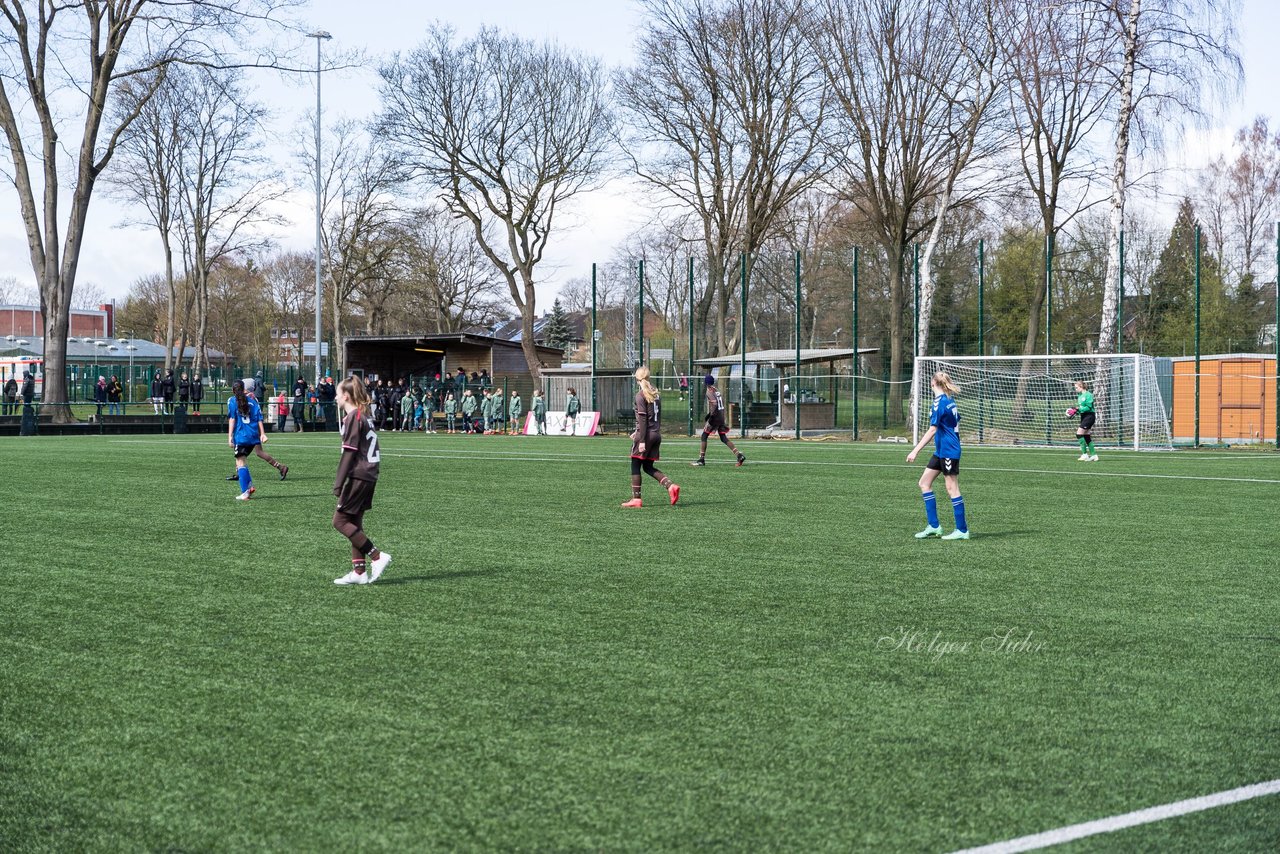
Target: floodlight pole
x=320 y=36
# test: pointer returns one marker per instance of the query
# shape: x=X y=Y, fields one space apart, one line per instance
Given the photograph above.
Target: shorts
x=1087 y=420
x=356 y=496
x=243 y=451
x=651 y=449
x=715 y=425
x=946 y=465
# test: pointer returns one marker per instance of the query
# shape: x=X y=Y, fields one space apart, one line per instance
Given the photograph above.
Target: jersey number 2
x=373 y=456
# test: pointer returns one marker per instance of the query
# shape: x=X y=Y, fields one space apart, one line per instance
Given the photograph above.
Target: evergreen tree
x=1168 y=316
x=557 y=329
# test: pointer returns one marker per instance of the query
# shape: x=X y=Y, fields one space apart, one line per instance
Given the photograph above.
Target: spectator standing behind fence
x=571 y=409
x=100 y=394
x=328 y=394
x=11 y=396
x=540 y=412
x=406 y=412
x=114 y=395
x=184 y=390
x=517 y=409
x=197 y=393
x=450 y=413
x=486 y=381
x=157 y=393
x=166 y=391
x=468 y=410
x=499 y=411
x=486 y=409
x=282 y=412
x=28 y=388
x=299 y=403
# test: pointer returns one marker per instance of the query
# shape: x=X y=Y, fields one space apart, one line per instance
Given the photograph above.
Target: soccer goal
x=1022 y=400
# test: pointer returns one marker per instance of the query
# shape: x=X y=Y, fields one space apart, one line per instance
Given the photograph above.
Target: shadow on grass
x=991 y=535
x=438 y=576
x=258 y=496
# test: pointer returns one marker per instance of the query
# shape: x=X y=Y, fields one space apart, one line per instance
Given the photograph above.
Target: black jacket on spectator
x=157 y=386
x=184 y=389
x=166 y=387
x=28 y=387
x=197 y=390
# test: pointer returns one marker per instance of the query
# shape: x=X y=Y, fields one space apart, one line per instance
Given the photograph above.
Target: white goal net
x=1022 y=400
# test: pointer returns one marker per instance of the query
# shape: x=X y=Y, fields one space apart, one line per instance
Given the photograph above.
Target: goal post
x=1022 y=400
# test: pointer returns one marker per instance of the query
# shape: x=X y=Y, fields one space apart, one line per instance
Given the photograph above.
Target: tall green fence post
x=857 y=367
x=689 y=376
x=640 y=322
x=982 y=348
x=742 y=350
x=1048 y=335
x=595 y=337
x=1197 y=338
x=796 y=378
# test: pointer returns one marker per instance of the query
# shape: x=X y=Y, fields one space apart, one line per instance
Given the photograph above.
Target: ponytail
x=943 y=379
x=242 y=401
x=646 y=388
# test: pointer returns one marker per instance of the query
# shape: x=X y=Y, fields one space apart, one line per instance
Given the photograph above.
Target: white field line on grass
x=516 y=456
x=1065 y=452
x=1129 y=819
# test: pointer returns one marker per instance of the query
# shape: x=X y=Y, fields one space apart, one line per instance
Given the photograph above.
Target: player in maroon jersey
x=715 y=423
x=357 y=477
x=646 y=441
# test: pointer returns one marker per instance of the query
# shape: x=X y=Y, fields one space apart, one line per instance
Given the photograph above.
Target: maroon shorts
x=356 y=496
x=651 y=449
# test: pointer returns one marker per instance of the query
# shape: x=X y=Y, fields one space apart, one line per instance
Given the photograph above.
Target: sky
x=115 y=256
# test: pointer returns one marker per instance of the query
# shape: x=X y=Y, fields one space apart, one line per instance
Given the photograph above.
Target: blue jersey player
x=944 y=429
x=245 y=433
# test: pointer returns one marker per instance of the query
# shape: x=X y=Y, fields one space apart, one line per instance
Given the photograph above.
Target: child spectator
x=540 y=412
x=499 y=407
x=468 y=410
x=450 y=412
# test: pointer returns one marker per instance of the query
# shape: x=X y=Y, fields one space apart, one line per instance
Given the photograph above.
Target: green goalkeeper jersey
x=1084 y=401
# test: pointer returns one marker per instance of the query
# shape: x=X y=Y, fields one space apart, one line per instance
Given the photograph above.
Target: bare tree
x=359 y=216
x=225 y=186
x=145 y=172
x=447 y=282
x=1240 y=199
x=1173 y=58
x=13 y=291
x=1058 y=96
x=725 y=111
x=288 y=279
x=60 y=64
x=911 y=101
x=508 y=131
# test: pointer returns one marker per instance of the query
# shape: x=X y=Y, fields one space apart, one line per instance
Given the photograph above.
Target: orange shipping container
x=1237 y=398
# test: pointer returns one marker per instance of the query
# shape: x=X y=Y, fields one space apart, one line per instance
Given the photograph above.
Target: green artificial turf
x=540 y=669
